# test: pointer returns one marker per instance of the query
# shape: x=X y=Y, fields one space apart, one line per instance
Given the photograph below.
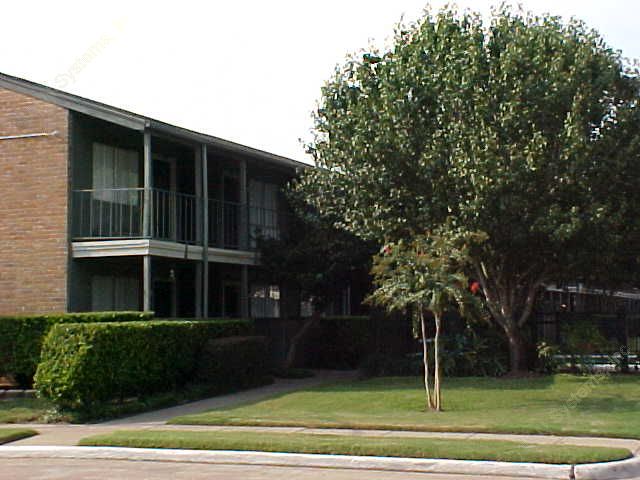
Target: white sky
x=246 y=71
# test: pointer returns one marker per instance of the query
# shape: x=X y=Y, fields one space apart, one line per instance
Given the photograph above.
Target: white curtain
x=114 y=293
x=115 y=168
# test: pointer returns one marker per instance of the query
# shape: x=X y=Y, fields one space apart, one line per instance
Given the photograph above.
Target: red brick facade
x=34 y=183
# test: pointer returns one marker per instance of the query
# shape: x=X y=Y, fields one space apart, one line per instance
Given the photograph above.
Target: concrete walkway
x=70 y=435
x=57 y=441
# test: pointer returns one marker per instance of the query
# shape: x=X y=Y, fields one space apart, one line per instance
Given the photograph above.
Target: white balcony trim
x=109 y=248
x=158 y=248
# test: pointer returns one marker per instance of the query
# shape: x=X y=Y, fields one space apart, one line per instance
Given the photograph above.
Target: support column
x=244 y=292
x=146 y=283
x=244 y=212
x=148 y=176
x=205 y=232
x=197 y=165
x=146 y=222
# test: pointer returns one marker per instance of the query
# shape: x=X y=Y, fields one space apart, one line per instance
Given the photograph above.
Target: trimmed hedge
x=234 y=362
x=86 y=364
x=21 y=338
x=340 y=342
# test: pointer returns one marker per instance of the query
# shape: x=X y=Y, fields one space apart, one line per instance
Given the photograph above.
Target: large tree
x=525 y=128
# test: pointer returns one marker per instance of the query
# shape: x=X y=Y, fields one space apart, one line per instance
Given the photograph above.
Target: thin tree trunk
x=297 y=339
x=437 y=384
x=425 y=359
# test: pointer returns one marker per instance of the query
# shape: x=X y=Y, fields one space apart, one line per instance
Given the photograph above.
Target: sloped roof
x=135 y=121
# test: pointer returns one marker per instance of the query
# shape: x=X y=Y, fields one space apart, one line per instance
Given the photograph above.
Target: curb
x=10 y=394
x=622 y=470
x=389 y=464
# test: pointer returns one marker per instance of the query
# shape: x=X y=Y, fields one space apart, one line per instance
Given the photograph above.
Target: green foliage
x=385 y=365
x=339 y=342
x=21 y=337
x=233 y=362
x=425 y=273
x=547 y=358
x=314 y=256
x=583 y=337
x=523 y=127
x=84 y=365
x=477 y=352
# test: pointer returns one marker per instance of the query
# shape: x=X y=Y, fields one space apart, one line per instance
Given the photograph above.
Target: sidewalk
x=58 y=442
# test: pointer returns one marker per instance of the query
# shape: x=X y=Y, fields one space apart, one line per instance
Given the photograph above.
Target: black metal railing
x=117 y=213
x=174 y=216
x=108 y=213
x=225 y=224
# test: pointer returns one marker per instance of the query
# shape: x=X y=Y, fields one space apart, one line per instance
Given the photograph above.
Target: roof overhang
x=135 y=121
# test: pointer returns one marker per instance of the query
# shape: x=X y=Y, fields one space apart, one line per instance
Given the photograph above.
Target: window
x=265 y=301
x=114 y=293
x=263 y=210
x=115 y=168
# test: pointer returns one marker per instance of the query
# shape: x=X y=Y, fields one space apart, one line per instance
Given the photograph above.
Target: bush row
x=85 y=365
x=339 y=342
x=21 y=338
x=233 y=362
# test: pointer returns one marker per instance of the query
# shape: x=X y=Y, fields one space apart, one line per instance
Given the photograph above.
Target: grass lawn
x=23 y=410
x=560 y=404
x=345 y=445
x=12 y=434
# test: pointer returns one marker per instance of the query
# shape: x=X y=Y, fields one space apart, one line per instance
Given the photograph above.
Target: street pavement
x=75 y=469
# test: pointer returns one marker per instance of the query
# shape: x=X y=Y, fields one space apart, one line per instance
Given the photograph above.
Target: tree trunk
x=516 y=352
x=437 y=384
x=297 y=339
x=425 y=359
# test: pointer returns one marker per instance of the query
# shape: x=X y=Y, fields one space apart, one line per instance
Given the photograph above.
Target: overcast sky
x=246 y=71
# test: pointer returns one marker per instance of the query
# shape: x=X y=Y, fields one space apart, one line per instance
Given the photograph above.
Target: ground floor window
x=114 y=293
x=265 y=301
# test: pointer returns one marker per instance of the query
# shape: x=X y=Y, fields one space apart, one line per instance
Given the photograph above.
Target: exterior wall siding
x=34 y=182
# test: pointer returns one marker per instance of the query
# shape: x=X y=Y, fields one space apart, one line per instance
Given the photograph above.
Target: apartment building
x=104 y=209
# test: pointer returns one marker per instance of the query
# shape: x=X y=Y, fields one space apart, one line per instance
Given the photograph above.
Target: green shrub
x=340 y=342
x=233 y=362
x=86 y=364
x=547 y=361
x=385 y=365
x=21 y=338
x=477 y=351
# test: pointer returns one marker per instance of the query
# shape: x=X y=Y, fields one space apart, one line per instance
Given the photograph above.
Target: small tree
x=426 y=273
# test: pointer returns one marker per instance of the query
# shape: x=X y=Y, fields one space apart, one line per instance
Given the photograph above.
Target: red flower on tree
x=474 y=287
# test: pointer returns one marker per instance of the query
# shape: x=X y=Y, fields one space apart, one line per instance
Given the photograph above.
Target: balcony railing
x=108 y=213
x=225 y=223
x=117 y=213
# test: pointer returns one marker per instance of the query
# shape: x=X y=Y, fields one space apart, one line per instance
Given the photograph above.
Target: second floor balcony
x=119 y=213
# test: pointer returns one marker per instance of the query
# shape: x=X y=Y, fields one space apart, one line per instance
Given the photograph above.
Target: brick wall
x=33 y=206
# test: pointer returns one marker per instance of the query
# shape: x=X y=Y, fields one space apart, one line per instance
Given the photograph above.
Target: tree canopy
x=525 y=128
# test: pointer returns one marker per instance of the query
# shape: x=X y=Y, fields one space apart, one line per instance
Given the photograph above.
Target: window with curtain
x=115 y=168
x=265 y=301
x=114 y=293
x=263 y=210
